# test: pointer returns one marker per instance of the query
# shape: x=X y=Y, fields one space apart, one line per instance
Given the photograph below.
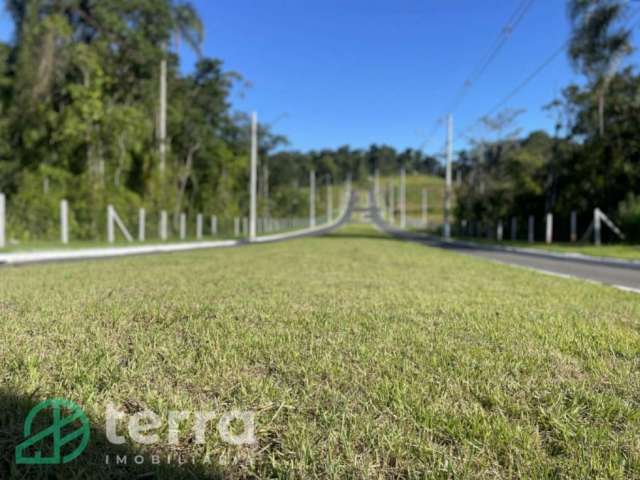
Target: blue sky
x=380 y=71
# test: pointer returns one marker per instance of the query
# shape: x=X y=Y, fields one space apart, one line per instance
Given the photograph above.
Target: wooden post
x=199 y=226
x=64 y=222
x=3 y=220
x=164 y=226
x=574 y=226
x=532 y=229
x=142 y=228
x=549 y=235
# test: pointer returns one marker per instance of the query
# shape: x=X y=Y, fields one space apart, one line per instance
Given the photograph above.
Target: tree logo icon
x=68 y=427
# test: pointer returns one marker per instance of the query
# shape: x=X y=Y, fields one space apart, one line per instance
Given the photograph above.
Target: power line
x=486 y=60
x=530 y=78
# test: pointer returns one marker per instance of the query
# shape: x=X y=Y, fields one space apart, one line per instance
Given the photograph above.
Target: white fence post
x=199 y=224
x=214 y=225
x=245 y=226
x=574 y=226
x=3 y=220
x=64 y=222
x=312 y=198
x=514 y=229
x=597 y=227
x=111 y=234
x=164 y=226
x=549 y=235
x=392 y=204
x=532 y=229
x=500 y=231
x=142 y=229
x=403 y=198
x=236 y=227
x=330 y=203
x=425 y=208
x=183 y=226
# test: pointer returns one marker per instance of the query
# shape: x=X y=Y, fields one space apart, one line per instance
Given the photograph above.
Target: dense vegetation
x=79 y=119
x=592 y=159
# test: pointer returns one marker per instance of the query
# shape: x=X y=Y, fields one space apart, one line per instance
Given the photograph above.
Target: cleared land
x=363 y=356
x=415 y=185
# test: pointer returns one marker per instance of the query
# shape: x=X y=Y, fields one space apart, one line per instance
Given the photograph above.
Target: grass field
x=362 y=356
x=626 y=252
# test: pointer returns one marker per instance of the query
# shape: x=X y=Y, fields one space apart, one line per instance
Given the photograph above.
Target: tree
x=598 y=44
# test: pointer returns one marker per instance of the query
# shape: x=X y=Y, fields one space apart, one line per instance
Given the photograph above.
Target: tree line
x=592 y=159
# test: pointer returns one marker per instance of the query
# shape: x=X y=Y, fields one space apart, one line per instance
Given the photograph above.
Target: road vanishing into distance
x=620 y=274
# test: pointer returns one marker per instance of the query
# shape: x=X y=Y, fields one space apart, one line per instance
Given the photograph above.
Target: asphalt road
x=622 y=275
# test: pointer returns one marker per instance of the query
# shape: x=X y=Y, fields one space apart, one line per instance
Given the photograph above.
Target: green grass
x=627 y=252
x=364 y=357
x=415 y=184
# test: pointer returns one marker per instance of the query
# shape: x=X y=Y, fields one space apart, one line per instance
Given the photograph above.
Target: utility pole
x=403 y=198
x=312 y=198
x=162 y=115
x=447 y=193
x=254 y=176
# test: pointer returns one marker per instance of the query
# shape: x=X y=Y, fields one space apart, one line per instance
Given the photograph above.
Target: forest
x=591 y=160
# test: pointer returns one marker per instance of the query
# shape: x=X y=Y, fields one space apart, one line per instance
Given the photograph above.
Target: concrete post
x=141 y=225
x=214 y=225
x=514 y=229
x=448 y=187
x=199 y=226
x=597 y=227
x=403 y=198
x=425 y=208
x=574 y=226
x=64 y=222
x=164 y=226
x=549 y=235
x=253 y=209
x=236 y=227
x=532 y=229
x=499 y=231
x=183 y=226
x=111 y=234
x=392 y=205
x=3 y=220
x=312 y=198
x=329 y=203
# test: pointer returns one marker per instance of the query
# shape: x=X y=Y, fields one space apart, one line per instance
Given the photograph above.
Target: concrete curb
x=27 y=258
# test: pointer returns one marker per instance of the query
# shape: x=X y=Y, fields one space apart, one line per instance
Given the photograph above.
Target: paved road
x=619 y=274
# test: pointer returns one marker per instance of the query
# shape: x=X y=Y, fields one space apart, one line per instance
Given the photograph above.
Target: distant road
x=624 y=275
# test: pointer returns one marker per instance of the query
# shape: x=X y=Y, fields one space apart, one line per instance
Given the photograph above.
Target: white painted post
x=245 y=226
x=597 y=227
x=532 y=232
x=376 y=184
x=142 y=228
x=236 y=227
x=183 y=226
x=549 y=235
x=514 y=229
x=3 y=220
x=392 y=204
x=214 y=225
x=64 y=222
x=448 y=187
x=500 y=231
x=329 y=202
x=312 y=198
x=425 y=208
x=199 y=226
x=254 y=177
x=574 y=226
x=164 y=226
x=403 y=198
x=111 y=234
